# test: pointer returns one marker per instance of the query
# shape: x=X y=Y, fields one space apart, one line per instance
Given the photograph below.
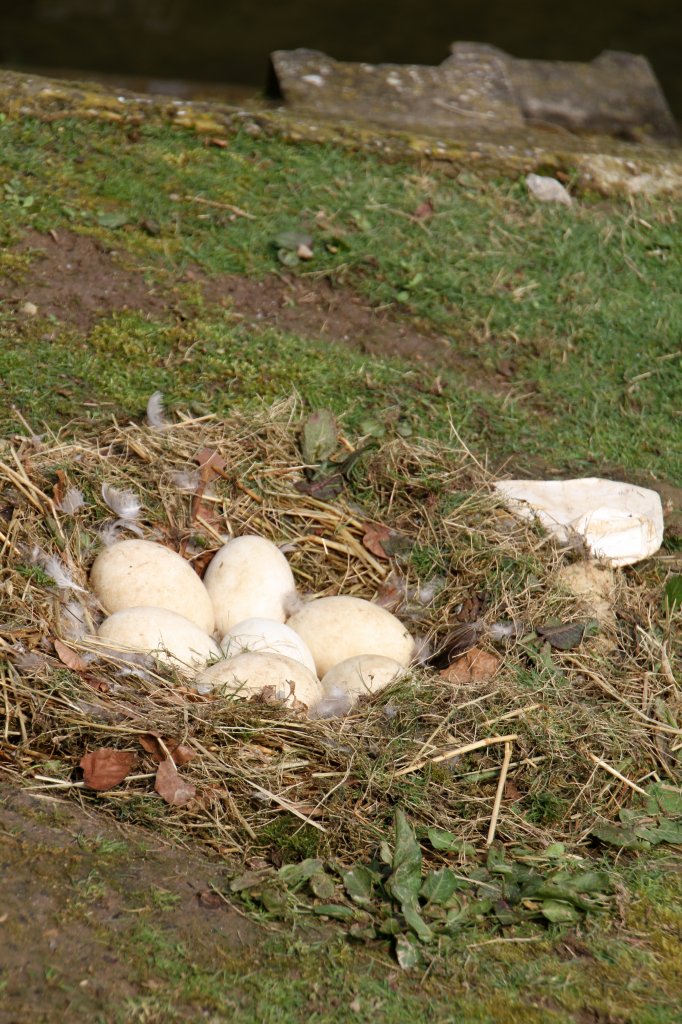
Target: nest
x=543 y=749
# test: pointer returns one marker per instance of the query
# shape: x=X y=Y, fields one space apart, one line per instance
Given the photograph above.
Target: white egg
x=353 y=678
x=140 y=573
x=170 y=637
x=248 y=578
x=271 y=675
x=337 y=628
x=267 y=636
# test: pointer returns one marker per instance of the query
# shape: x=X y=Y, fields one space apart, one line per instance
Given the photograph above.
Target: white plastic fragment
x=618 y=522
x=547 y=190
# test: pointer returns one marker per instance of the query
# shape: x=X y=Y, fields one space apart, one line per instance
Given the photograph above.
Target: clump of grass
x=269 y=781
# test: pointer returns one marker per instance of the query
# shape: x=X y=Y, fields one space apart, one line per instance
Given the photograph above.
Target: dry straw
x=589 y=725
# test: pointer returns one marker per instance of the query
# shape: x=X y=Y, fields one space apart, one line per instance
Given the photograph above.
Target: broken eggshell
x=268 y=636
x=273 y=676
x=618 y=522
x=337 y=628
x=141 y=573
x=170 y=637
x=248 y=577
x=353 y=678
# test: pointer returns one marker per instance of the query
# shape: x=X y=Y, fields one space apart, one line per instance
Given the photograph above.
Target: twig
x=466 y=749
x=498 y=795
x=220 y=206
x=286 y=804
x=616 y=774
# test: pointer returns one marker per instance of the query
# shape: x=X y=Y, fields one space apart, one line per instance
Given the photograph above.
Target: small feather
x=292 y=603
x=54 y=568
x=125 y=504
x=109 y=532
x=72 y=501
x=72 y=619
x=156 y=416
x=334 y=704
x=186 y=479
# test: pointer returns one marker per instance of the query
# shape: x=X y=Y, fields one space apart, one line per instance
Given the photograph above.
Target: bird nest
x=542 y=730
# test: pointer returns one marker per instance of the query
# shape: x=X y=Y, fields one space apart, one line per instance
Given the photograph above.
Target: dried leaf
x=323 y=490
x=424 y=211
x=476 y=666
x=171 y=787
x=211 y=464
x=375 y=535
x=180 y=752
x=59 y=488
x=106 y=767
x=69 y=657
x=564 y=636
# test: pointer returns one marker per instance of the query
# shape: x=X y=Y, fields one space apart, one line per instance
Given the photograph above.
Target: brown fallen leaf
x=424 y=210
x=374 y=538
x=476 y=666
x=180 y=752
x=69 y=657
x=106 y=767
x=171 y=787
x=215 y=140
x=59 y=488
x=211 y=464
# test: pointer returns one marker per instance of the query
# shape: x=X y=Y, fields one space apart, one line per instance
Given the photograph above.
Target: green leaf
x=322 y=885
x=385 y=853
x=273 y=899
x=663 y=799
x=288 y=258
x=559 y=913
x=619 y=835
x=112 y=219
x=291 y=240
x=359 y=884
x=555 y=851
x=319 y=437
x=407 y=952
x=249 y=880
x=672 y=595
x=665 y=832
x=295 y=874
x=416 y=922
x=335 y=910
x=439 y=886
x=589 y=881
x=441 y=839
x=405 y=880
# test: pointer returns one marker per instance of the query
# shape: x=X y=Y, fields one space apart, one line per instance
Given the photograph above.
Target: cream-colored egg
x=268 y=636
x=140 y=573
x=337 y=628
x=353 y=678
x=170 y=637
x=271 y=675
x=248 y=578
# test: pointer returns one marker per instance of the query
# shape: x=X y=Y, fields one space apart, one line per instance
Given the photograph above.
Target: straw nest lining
x=573 y=732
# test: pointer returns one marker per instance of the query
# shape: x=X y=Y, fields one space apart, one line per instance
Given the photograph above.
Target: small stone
x=547 y=190
x=29 y=309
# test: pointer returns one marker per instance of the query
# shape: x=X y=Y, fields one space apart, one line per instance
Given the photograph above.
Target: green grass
x=582 y=303
x=562 y=977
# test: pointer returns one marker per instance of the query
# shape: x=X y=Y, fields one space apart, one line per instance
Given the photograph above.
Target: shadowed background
x=228 y=41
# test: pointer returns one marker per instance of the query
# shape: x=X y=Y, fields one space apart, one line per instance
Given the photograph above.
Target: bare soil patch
x=75 y=888
x=76 y=279
x=314 y=306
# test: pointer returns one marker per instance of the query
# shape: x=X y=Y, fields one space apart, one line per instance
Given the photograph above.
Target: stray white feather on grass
x=55 y=570
x=73 y=500
x=156 y=413
x=125 y=504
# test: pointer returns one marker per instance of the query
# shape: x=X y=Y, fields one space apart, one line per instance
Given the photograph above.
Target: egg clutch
x=244 y=630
